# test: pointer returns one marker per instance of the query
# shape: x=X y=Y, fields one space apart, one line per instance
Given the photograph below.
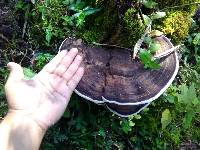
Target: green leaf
x=33 y=1
x=67 y=113
x=72 y=7
x=195 y=101
x=166 y=118
x=131 y=123
x=136 y=116
x=89 y=10
x=147 y=40
x=80 y=20
x=149 y=4
x=80 y=4
x=147 y=61
x=126 y=125
x=170 y=98
x=19 y=5
x=43 y=10
x=102 y=132
x=153 y=47
x=67 y=20
x=77 y=7
x=196 y=40
x=68 y=2
x=49 y=33
x=187 y=120
x=187 y=94
x=28 y=73
x=158 y=15
x=147 y=19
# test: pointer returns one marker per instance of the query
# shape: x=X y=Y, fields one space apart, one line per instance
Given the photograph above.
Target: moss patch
x=176 y=25
x=91 y=36
x=133 y=27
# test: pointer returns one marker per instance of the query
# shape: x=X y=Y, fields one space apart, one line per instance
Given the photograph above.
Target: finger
x=52 y=65
x=66 y=62
x=75 y=79
x=16 y=71
x=73 y=68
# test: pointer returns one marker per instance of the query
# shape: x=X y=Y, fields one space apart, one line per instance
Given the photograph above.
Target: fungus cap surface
x=112 y=78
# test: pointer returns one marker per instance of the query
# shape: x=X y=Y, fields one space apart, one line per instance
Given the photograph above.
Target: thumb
x=16 y=71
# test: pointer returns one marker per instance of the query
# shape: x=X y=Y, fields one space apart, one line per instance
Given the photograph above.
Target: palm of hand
x=46 y=96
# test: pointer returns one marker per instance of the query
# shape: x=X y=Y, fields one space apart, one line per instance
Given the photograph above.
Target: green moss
x=108 y=26
x=47 y=21
x=133 y=28
x=176 y=25
x=90 y=36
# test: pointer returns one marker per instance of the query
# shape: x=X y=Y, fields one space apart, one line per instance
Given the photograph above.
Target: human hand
x=45 y=97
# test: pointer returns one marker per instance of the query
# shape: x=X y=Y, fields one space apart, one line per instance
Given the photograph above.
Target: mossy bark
x=117 y=23
x=114 y=26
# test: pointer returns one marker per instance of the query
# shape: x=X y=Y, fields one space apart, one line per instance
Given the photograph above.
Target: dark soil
x=12 y=46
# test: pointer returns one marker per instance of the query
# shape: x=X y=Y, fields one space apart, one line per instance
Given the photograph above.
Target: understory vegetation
x=170 y=122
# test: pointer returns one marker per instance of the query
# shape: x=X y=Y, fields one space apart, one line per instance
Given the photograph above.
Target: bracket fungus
x=114 y=79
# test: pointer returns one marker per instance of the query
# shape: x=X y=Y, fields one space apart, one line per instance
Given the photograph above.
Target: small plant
x=81 y=11
x=146 y=55
x=59 y=17
x=28 y=73
x=3 y=104
x=150 y=45
x=187 y=104
x=191 y=51
x=41 y=59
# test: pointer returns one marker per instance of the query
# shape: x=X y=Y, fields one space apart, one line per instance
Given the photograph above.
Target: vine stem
x=184 y=5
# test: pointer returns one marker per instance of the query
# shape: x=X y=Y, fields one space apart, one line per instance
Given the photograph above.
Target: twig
x=99 y=44
x=25 y=22
x=167 y=52
x=140 y=41
x=23 y=57
x=184 y=5
x=141 y=15
x=4 y=38
x=24 y=28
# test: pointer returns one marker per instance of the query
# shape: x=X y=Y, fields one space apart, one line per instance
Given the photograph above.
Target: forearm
x=20 y=133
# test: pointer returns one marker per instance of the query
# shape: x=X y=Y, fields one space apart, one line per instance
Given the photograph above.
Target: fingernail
x=65 y=50
x=79 y=57
x=74 y=50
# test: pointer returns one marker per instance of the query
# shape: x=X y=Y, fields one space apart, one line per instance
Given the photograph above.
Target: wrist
x=19 y=118
x=22 y=116
x=21 y=132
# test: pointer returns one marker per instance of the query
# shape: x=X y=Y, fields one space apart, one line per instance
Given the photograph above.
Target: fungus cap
x=112 y=78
